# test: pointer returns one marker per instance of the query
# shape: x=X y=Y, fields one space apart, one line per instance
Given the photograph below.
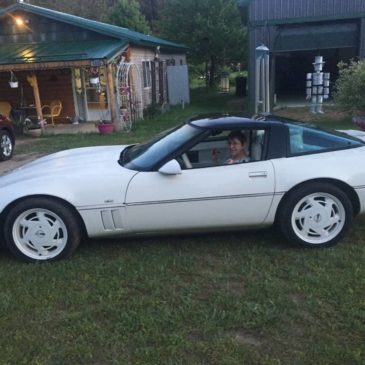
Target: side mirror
x=170 y=168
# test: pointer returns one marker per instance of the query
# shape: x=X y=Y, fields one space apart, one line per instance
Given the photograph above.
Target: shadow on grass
x=265 y=239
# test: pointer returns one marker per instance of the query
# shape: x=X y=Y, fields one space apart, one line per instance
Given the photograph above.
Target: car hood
x=78 y=161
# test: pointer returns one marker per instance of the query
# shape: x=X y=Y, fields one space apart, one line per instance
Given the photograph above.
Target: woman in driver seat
x=236 y=146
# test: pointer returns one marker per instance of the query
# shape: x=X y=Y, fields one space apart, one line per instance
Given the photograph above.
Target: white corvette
x=310 y=182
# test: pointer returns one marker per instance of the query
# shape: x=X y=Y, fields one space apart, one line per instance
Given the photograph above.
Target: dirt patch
x=246 y=338
x=236 y=286
x=18 y=160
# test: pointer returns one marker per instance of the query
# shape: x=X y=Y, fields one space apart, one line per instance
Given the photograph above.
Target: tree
x=126 y=13
x=100 y=9
x=212 y=29
x=151 y=10
x=91 y=9
x=350 y=87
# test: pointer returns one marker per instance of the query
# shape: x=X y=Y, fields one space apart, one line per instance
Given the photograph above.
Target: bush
x=151 y=111
x=350 y=87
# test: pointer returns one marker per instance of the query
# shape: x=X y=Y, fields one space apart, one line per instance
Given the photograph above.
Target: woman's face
x=235 y=147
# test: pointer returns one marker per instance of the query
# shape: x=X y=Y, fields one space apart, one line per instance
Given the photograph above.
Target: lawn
x=229 y=298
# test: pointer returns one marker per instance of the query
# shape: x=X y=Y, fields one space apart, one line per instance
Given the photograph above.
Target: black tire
x=315 y=215
x=42 y=229
x=6 y=145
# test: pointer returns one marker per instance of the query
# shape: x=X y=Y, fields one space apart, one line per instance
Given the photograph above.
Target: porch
x=69 y=128
x=71 y=88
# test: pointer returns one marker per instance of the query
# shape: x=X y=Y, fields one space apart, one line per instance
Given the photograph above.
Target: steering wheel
x=186 y=160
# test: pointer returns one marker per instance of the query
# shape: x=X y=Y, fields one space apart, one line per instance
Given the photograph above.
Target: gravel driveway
x=19 y=159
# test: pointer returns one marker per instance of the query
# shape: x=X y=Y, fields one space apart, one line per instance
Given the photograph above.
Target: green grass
x=223 y=299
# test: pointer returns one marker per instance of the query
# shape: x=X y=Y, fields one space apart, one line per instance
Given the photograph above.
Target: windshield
x=144 y=156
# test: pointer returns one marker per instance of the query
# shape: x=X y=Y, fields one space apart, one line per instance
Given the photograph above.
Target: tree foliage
x=91 y=9
x=350 y=86
x=151 y=9
x=212 y=29
x=126 y=13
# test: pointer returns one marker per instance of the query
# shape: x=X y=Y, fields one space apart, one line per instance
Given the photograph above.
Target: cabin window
x=146 y=66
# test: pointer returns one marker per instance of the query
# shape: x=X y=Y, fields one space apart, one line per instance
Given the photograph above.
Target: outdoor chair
x=52 y=110
x=5 y=108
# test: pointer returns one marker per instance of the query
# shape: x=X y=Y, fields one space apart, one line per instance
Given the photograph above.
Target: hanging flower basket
x=94 y=76
x=13 y=80
x=94 y=80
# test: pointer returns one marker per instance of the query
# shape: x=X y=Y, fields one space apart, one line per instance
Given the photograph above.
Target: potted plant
x=94 y=76
x=13 y=81
x=105 y=127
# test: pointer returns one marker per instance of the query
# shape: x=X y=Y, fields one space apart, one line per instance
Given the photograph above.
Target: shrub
x=350 y=87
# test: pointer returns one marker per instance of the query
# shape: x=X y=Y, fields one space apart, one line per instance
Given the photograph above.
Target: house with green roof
x=94 y=70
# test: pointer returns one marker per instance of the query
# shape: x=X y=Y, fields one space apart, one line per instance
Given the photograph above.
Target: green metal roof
x=309 y=37
x=114 y=31
x=16 y=53
x=299 y=20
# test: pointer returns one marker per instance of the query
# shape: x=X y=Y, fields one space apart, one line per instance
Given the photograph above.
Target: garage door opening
x=291 y=69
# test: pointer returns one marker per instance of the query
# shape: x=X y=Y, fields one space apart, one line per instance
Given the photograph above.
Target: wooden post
x=111 y=94
x=34 y=84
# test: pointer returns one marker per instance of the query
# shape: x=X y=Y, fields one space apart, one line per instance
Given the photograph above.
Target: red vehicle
x=7 y=138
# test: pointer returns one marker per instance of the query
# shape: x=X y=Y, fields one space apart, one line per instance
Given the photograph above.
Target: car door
x=201 y=198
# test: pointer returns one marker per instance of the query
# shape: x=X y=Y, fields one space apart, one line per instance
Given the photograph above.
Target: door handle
x=258 y=174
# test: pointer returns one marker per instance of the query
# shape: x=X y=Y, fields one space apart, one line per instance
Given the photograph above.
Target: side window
x=296 y=139
x=257 y=144
x=304 y=140
x=146 y=67
x=225 y=147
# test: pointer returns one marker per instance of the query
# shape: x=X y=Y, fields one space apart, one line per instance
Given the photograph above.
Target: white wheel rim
x=40 y=234
x=318 y=218
x=6 y=145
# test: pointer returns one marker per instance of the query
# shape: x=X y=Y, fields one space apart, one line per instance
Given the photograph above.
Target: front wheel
x=6 y=146
x=41 y=229
x=315 y=215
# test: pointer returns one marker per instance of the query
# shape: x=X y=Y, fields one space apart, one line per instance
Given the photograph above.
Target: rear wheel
x=41 y=229
x=315 y=215
x=6 y=146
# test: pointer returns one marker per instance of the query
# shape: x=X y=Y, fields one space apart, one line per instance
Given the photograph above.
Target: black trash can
x=241 y=85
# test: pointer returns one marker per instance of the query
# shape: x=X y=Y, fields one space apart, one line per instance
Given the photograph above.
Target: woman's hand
x=215 y=155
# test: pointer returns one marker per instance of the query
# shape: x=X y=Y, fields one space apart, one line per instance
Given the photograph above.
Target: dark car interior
x=200 y=155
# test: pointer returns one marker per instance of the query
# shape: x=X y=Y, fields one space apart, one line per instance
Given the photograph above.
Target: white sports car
x=308 y=181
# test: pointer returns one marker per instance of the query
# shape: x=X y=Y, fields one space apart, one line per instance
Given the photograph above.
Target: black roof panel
x=230 y=121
